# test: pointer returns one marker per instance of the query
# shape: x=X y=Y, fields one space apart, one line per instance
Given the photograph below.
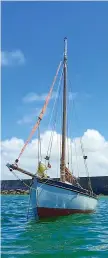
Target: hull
x=52 y=199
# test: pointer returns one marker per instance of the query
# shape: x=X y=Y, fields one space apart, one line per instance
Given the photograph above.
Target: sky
x=31 y=49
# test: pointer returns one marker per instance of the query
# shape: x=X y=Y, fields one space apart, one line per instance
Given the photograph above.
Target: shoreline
x=15 y=192
x=25 y=192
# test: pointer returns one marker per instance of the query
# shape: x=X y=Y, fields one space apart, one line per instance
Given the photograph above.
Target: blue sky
x=32 y=43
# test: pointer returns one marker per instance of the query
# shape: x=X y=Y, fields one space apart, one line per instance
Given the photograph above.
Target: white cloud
x=28 y=119
x=96 y=148
x=12 y=58
x=32 y=96
x=73 y=95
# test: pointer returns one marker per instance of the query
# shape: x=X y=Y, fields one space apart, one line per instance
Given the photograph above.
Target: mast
x=63 y=157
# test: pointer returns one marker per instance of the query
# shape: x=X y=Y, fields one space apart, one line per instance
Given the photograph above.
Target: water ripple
x=73 y=236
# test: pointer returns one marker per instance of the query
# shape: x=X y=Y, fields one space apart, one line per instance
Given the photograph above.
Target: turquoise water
x=72 y=236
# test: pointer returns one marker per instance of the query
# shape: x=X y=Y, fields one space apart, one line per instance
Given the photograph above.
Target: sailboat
x=53 y=197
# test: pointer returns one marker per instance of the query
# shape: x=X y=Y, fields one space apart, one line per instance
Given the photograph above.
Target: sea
x=79 y=236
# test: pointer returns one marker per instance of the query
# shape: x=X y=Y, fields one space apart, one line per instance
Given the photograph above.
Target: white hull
x=48 y=200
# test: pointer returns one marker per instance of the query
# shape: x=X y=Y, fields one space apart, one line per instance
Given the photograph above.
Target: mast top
x=65 y=48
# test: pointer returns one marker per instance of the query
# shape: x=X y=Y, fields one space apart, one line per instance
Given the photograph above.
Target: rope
x=55 y=120
x=76 y=157
x=68 y=131
x=68 y=126
x=21 y=180
x=28 y=185
x=82 y=149
x=39 y=146
x=28 y=208
x=56 y=96
x=85 y=163
x=58 y=167
x=39 y=150
x=42 y=112
x=30 y=189
x=61 y=114
x=71 y=158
